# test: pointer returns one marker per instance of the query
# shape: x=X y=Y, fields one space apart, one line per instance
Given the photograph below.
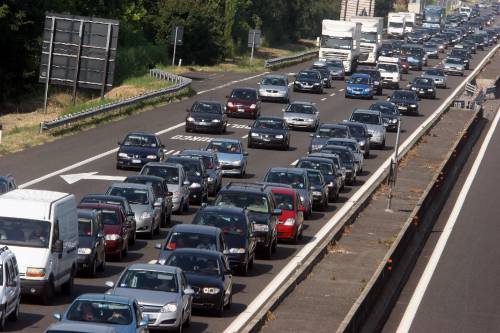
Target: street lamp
x=393 y=169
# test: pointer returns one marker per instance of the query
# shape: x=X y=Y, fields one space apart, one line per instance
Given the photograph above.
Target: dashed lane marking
x=332 y=94
x=323 y=99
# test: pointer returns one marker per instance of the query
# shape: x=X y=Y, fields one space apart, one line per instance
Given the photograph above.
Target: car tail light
x=171 y=246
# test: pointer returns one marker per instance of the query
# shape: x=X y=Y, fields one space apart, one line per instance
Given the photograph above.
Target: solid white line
x=418 y=294
x=323 y=99
x=341 y=89
x=230 y=83
x=244 y=136
x=169 y=152
x=177 y=152
x=332 y=94
x=294 y=162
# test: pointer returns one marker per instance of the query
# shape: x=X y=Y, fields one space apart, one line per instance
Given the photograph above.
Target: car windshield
x=208 y=161
x=206 y=107
x=244 y=94
x=269 y=123
x=324 y=167
x=314 y=178
x=308 y=75
x=100 y=312
x=195 y=263
x=149 y=280
x=366 y=118
x=191 y=240
x=295 y=179
x=191 y=166
x=335 y=132
x=273 y=81
x=391 y=68
x=24 y=232
x=423 y=81
x=368 y=37
x=252 y=201
x=84 y=226
x=224 y=147
x=138 y=140
x=234 y=224
x=283 y=201
x=336 y=42
x=335 y=64
x=133 y=195
x=395 y=24
x=384 y=108
x=360 y=80
x=351 y=145
x=301 y=108
x=406 y=95
x=434 y=72
x=170 y=174
x=343 y=154
x=454 y=61
x=357 y=131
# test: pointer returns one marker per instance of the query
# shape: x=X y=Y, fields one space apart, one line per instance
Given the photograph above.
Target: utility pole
x=393 y=171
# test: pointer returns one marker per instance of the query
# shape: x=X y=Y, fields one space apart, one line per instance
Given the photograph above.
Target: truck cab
x=340 y=40
x=371 y=37
x=396 y=25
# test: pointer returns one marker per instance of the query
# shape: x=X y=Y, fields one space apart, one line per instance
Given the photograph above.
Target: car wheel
x=251 y=262
x=268 y=251
x=382 y=146
x=2 y=322
x=15 y=314
x=67 y=287
x=93 y=268
x=102 y=266
x=131 y=240
x=187 y=323
x=151 y=232
x=324 y=203
x=229 y=301
x=244 y=269
x=219 y=312
x=179 y=328
x=275 y=245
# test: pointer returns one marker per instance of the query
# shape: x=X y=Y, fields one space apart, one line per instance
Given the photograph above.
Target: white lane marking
x=323 y=99
x=73 y=178
x=294 y=162
x=290 y=84
x=192 y=138
x=291 y=74
x=230 y=83
x=418 y=294
x=169 y=152
x=332 y=94
x=244 y=136
x=176 y=153
x=166 y=130
x=241 y=126
x=341 y=89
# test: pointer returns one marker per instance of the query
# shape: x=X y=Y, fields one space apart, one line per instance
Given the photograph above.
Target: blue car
x=360 y=86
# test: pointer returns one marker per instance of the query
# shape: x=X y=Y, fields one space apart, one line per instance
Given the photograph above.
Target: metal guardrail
x=470 y=88
x=179 y=84
x=289 y=59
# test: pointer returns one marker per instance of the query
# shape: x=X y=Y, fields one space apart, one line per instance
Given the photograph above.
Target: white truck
x=409 y=21
x=396 y=24
x=465 y=10
x=371 y=37
x=390 y=71
x=340 y=41
x=41 y=229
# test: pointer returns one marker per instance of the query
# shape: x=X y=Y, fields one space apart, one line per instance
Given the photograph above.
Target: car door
x=156 y=209
x=130 y=216
x=251 y=238
x=99 y=237
x=184 y=187
x=186 y=299
x=161 y=150
x=228 y=277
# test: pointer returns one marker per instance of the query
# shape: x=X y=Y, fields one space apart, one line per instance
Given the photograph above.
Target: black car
x=359 y=131
x=7 y=184
x=319 y=188
x=262 y=210
x=325 y=132
x=405 y=100
x=91 y=242
x=196 y=175
x=347 y=158
x=212 y=167
x=137 y=149
x=206 y=116
x=462 y=54
x=386 y=50
x=119 y=201
x=390 y=114
x=162 y=194
x=396 y=46
x=415 y=37
x=269 y=132
x=376 y=78
x=326 y=77
x=336 y=69
x=424 y=87
x=208 y=273
x=308 y=80
x=239 y=234
x=329 y=171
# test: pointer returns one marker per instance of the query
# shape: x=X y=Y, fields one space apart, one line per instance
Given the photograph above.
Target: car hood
x=205 y=115
x=86 y=242
x=270 y=131
x=403 y=101
x=306 y=80
x=147 y=297
x=286 y=214
x=225 y=157
x=358 y=86
x=195 y=179
x=268 y=87
x=234 y=241
x=139 y=210
x=133 y=150
x=245 y=102
x=289 y=115
x=259 y=218
x=198 y=280
x=319 y=141
x=375 y=128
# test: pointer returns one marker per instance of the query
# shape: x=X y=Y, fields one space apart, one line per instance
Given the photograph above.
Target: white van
x=41 y=228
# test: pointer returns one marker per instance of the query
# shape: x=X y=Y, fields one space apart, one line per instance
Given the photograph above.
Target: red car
x=403 y=62
x=243 y=102
x=116 y=230
x=290 y=222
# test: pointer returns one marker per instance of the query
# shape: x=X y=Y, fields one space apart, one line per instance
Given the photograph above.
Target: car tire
x=48 y=293
x=151 y=232
x=67 y=287
x=251 y=262
x=244 y=269
x=229 y=301
x=187 y=323
x=382 y=146
x=275 y=245
x=268 y=251
x=102 y=266
x=131 y=240
x=14 y=316
x=185 y=207
x=179 y=328
x=92 y=268
x=219 y=312
x=325 y=204
x=2 y=322
x=295 y=239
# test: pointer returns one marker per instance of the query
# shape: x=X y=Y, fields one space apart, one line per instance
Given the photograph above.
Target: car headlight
x=289 y=221
x=146 y=215
x=413 y=105
x=349 y=89
x=210 y=179
x=262 y=92
x=171 y=307
x=84 y=250
x=261 y=227
x=190 y=119
x=394 y=121
x=195 y=185
x=362 y=143
x=151 y=157
x=216 y=120
x=317 y=84
x=122 y=155
x=230 y=104
x=317 y=193
x=253 y=106
x=331 y=184
x=113 y=237
x=254 y=135
x=368 y=89
x=211 y=290
x=35 y=272
x=237 y=250
x=413 y=88
x=309 y=120
x=302 y=199
x=279 y=136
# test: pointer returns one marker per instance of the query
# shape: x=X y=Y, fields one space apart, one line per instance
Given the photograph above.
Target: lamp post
x=393 y=170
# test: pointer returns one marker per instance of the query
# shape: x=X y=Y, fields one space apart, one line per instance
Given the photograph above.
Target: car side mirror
x=144 y=321
x=58 y=246
x=100 y=235
x=119 y=143
x=188 y=291
x=109 y=284
x=57 y=316
x=277 y=212
x=245 y=153
x=158 y=246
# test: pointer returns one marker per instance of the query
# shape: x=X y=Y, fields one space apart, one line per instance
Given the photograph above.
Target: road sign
x=177 y=35
x=254 y=38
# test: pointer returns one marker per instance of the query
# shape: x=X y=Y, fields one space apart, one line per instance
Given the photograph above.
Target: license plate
x=136 y=161
x=241 y=110
x=357 y=93
x=403 y=107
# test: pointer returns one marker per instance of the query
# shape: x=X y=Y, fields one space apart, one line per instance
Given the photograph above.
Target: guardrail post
x=41 y=127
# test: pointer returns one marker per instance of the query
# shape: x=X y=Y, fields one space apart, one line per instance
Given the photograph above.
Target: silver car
x=231 y=156
x=142 y=201
x=454 y=66
x=374 y=123
x=353 y=145
x=301 y=115
x=437 y=75
x=161 y=291
x=177 y=182
x=274 y=87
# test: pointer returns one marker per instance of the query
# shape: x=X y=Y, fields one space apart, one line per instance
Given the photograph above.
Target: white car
x=390 y=73
x=10 y=287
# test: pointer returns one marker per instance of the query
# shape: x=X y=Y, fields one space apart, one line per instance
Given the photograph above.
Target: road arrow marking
x=73 y=178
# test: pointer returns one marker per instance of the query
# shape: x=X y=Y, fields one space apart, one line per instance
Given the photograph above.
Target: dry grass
x=403 y=163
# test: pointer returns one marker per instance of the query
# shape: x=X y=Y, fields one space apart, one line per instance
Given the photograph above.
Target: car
x=470 y=45
x=405 y=100
x=390 y=72
x=347 y=161
x=116 y=231
x=291 y=220
x=297 y=179
x=455 y=66
x=137 y=149
x=231 y=155
x=91 y=242
x=374 y=123
x=464 y=55
x=325 y=132
x=415 y=37
x=80 y=328
x=390 y=114
x=360 y=85
x=416 y=56
x=239 y=233
x=208 y=274
x=319 y=188
x=299 y=115
x=404 y=64
x=162 y=195
x=274 y=87
x=437 y=75
x=340 y=170
x=119 y=201
x=376 y=78
x=262 y=210
x=191 y=236
x=335 y=67
x=161 y=291
x=440 y=43
x=353 y=145
x=197 y=177
x=308 y=80
x=431 y=49
x=142 y=201
x=386 y=49
x=122 y=314
x=206 y=116
x=269 y=132
x=212 y=168
x=424 y=87
x=480 y=42
x=177 y=182
x=7 y=183
x=326 y=78
x=329 y=171
x=10 y=287
x=243 y=102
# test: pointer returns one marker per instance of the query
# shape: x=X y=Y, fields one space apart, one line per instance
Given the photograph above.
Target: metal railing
x=470 y=88
x=179 y=82
x=276 y=62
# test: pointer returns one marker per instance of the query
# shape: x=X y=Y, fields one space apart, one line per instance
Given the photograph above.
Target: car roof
x=325 y=155
x=231 y=210
x=366 y=111
x=271 y=118
x=141 y=133
x=164 y=164
x=382 y=103
x=330 y=125
x=154 y=267
x=354 y=123
x=244 y=186
x=98 y=205
x=226 y=140
x=131 y=185
x=276 y=76
x=336 y=147
x=196 y=228
x=180 y=158
x=301 y=102
x=198 y=152
x=105 y=197
x=315 y=158
x=245 y=88
x=82 y=327
x=207 y=101
x=186 y=250
x=360 y=75
x=145 y=177
x=287 y=170
x=105 y=297
x=343 y=140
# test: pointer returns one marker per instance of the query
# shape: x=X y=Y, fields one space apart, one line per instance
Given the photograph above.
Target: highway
x=93 y=151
